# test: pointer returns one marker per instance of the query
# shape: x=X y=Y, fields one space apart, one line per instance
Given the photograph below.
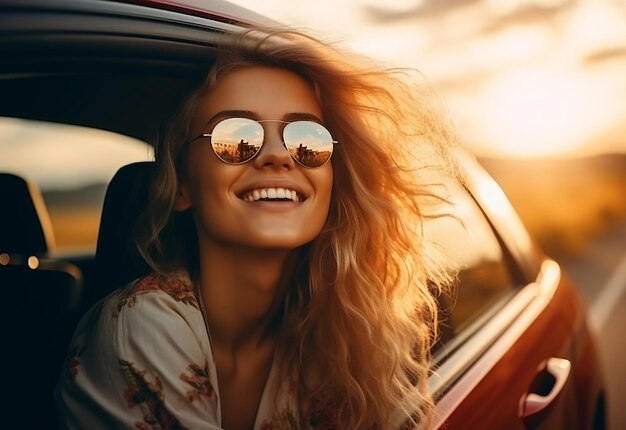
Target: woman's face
x=219 y=193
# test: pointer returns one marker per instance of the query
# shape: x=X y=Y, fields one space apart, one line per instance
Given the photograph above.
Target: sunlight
x=56 y=155
x=533 y=112
x=595 y=26
x=521 y=77
x=541 y=111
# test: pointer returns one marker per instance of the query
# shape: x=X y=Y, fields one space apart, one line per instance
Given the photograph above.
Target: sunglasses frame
x=261 y=121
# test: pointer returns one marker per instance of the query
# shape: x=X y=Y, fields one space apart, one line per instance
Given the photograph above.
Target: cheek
x=324 y=188
x=326 y=180
x=210 y=199
x=208 y=181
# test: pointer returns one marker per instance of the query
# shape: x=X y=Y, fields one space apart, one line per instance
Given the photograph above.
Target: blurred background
x=537 y=90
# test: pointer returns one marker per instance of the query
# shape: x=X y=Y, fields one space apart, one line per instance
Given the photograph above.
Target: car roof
x=112 y=65
x=217 y=10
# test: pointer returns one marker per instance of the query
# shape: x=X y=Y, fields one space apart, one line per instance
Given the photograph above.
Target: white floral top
x=141 y=359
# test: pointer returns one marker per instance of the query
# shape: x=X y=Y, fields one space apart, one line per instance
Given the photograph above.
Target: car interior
x=124 y=69
x=43 y=296
x=48 y=295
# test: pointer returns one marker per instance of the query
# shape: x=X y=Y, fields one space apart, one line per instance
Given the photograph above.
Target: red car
x=515 y=350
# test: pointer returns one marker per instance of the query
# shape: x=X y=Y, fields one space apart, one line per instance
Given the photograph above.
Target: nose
x=273 y=153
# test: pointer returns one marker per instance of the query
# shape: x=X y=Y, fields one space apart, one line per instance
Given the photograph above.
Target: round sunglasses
x=239 y=140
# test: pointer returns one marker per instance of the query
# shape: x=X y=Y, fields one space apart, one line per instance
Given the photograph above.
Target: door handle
x=546 y=387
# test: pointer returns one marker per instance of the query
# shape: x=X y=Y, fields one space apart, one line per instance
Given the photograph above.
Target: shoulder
x=148 y=310
x=144 y=350
x=151 y=306
x=175 y=287
x=154 y=313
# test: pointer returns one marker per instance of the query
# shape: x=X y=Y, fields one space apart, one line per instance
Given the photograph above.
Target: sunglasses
x=239 y=140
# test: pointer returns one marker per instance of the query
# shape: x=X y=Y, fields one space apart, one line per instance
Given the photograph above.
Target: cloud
x=525 y=14
x=378 y=14
x=605 y=55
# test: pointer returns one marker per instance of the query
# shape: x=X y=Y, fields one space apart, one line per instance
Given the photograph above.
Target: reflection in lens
x=237 y=140
x=309 y=143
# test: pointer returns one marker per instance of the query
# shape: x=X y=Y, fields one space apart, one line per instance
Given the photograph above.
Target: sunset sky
x=519 y=77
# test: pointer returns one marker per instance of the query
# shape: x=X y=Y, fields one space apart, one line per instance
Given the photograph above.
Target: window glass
x=471 y=251
x=72 y=167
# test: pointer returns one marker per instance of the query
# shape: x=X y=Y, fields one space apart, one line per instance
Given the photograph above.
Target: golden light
x=59 y=155
x=534 y=112
x=545 y=111
x=520 y=77
x=33 y=262
x=5 y=259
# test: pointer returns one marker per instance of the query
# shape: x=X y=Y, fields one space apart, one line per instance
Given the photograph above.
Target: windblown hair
x=359 y=322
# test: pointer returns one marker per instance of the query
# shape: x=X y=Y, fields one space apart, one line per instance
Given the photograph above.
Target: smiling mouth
x=272 y=195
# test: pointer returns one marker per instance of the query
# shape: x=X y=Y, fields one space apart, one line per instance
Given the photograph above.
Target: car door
x=514 y=350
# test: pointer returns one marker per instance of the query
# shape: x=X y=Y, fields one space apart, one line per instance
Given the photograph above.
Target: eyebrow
x=290 y=117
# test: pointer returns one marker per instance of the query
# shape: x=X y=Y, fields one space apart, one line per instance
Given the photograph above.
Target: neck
x=243 y=290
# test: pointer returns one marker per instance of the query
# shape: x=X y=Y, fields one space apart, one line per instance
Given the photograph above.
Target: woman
x=289 y=286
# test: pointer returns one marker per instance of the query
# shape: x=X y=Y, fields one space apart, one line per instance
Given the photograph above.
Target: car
x=515 y=350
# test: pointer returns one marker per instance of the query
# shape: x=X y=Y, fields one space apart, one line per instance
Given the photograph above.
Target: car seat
x=41 y=301
x=117 y=260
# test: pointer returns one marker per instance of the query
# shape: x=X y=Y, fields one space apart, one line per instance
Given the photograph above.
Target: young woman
x=291 y=287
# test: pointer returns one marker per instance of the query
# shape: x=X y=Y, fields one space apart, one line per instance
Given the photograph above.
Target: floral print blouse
x=141 y=359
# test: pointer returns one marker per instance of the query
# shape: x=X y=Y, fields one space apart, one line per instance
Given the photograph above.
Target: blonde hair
x=358 y=325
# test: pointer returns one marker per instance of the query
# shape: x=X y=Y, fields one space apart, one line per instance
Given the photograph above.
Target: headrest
x=117 y=259
x=24 y=222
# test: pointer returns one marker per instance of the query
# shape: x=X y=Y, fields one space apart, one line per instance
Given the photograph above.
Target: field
x=75 y=228
x=565 y=203
x=75 y=216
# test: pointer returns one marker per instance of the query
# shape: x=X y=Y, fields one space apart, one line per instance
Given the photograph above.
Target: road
x=601 y=277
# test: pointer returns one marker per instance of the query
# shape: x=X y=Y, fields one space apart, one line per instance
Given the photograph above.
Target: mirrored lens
x=308 y=142
x=237 y=140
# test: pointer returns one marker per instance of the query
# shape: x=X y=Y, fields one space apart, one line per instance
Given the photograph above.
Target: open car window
x=72 y=166
x=473 y=253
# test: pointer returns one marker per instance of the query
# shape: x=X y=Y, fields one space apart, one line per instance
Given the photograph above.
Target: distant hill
x=89 y=196
x=565 y=202
x=508 y=169
x=75 y=216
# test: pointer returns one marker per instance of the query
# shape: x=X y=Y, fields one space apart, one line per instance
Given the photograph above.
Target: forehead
x=269 y=92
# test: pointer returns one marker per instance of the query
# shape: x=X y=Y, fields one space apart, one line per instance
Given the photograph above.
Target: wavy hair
x=358 y=325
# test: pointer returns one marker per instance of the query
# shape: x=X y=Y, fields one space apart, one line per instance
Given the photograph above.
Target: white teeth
x=271 y=193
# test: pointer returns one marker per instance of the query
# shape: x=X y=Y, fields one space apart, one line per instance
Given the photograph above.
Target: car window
x=470 y=251
x=72 y=166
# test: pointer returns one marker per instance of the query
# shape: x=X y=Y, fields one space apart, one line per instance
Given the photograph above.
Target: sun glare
x=541 y=111
x=534 y=112
x=521 y=77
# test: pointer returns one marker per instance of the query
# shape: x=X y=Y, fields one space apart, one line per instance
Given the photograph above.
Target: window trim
x=467 y=366
x=467 y=354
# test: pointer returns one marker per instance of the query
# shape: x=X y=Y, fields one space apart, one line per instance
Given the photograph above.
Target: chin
x=283 y=241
